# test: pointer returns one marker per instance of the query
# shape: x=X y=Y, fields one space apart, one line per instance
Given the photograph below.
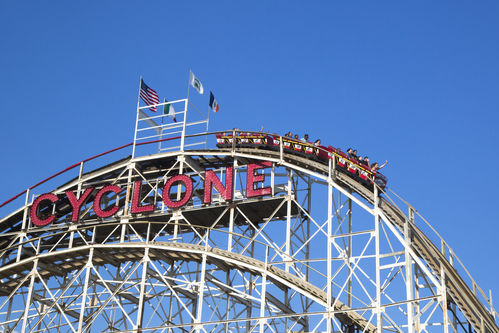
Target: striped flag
x=148 y=95
x=169 y=111
x=213 y=103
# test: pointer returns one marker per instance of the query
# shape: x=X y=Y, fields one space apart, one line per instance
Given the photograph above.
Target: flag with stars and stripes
x=148 y=95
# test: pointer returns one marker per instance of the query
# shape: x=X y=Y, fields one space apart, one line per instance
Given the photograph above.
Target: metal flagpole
x=161 y=133
x=182 y=142
x=189 y=85
x=137 y=120
x=207 y=124
x=138 y=97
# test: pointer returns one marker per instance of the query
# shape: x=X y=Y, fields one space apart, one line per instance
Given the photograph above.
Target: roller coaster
x=347 y=164
x=252 y=235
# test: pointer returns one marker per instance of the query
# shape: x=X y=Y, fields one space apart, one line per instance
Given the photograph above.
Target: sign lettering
x=211 y=180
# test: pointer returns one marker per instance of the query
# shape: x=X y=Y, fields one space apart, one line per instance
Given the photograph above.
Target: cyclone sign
x=136 y=207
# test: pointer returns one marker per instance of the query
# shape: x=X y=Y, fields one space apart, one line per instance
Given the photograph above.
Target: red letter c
x=34 y=210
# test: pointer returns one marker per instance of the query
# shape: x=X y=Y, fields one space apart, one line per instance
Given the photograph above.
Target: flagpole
x=182 y=143
x=189 y=85
x=161 y=129
x=136 y=120
x=138 y=97
x=207 y=124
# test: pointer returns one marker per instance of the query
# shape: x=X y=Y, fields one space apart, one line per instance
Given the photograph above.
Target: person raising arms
x=375 y=166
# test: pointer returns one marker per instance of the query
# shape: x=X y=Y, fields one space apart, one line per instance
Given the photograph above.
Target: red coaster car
x=309 y=149
x=353 y=166
x=276 y=141
x=220 y=140
x=331 y=150
x=342 y=160
x=298 y=146
x=322 y=152
x=364 y=171
x=259 y=140
x=242 y=140
x=286 y=144
x=253 y=140
x=224 y=141
x=380 y=180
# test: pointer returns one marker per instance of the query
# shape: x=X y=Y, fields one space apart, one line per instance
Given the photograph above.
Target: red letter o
x=188 y=191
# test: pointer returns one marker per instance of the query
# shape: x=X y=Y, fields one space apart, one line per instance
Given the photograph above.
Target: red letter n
x=211 y=179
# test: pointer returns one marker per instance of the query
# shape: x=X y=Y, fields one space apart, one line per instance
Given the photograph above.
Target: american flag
x=148 y=95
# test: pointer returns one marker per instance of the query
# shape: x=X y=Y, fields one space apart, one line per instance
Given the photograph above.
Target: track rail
x=460 y=293
x=122 y=252
x=456 y=287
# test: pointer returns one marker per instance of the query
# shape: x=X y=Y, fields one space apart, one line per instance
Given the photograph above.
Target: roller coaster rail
x=445 y=248
x=28 y=249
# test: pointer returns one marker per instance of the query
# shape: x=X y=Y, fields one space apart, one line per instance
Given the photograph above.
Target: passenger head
x=349 y=150
x=296 y=136
x=306 y=137
x=354 y=152
x=366 y=158
x=374 y=166
x=317 y=142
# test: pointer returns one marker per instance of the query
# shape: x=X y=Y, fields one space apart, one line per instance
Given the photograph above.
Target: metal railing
x=79 y=167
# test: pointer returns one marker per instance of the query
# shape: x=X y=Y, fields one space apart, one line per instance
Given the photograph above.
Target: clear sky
x=412 y=82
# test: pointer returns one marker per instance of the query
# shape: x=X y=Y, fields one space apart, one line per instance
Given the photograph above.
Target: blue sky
x=415 y=83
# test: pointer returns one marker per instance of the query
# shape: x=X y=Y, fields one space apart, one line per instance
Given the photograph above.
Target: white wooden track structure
x=320 y=253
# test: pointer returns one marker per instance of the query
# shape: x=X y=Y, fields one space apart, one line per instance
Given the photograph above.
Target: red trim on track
x=88 y=159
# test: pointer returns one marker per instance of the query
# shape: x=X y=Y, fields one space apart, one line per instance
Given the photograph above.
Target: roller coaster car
x=224 y=140
x=364 y=171
x=307 y=149
x=353 y=166
x=273 y=142
x=251 y=140
x=286 y=143
x=298 y=147
x=245 y=140
x=342 y=160
x=322 y=153
x=380 y=180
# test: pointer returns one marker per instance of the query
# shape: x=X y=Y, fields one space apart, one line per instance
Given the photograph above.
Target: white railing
x=169 y=135
x=25 y=198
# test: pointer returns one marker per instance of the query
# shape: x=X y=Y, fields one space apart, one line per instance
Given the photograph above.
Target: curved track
x=62 y=272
